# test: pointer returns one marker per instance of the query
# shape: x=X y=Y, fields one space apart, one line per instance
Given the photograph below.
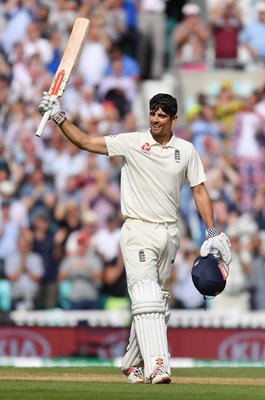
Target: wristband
x=211 y=232
x=59 y=117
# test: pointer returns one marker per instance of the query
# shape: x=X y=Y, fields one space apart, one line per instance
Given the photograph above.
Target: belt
x=168 y=223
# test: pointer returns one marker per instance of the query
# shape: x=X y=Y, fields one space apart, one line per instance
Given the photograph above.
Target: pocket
x=126 y=235
x=174 y=233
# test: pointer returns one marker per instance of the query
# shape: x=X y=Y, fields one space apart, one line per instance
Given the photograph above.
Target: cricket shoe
x=134 y=374
x=160 y=375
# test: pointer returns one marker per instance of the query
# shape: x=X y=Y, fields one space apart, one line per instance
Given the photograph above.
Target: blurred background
x=61 y=272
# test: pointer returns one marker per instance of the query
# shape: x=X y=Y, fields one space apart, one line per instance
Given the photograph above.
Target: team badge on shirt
x=142 y=256
x=177 y=156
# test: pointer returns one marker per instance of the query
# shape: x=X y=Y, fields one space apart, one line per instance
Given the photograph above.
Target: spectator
x=101 y=196
x=5 y=161
x=226 y=105
x=114 y=293
x=36 y=192
x=152 y=32
x=54 y=149
x=226 y=23
x=129 y=123
x=115 y=21
x=185 y=295
x=63 y=15
x=249 y=154
x=130 y=66
x=30 y=77
x=9 y=232
x=236 y=294
x=41 y=15
x=119 y=89
x=191 y=38
x=221 y=212
x=260 y=111
x=24 y=269
x=55 y=40
x=84 y=271
x=106 y=240
x=4 y=67
x=252 y=36
x=17 y=16
x=18 y=211
x=67 y=216
x=259 y=207
x=205 y=125
x=94 y=58
x=73 y=96
x=70 y=161
x=256 y=282
x=4 y=96
x=35 y=44
x=44 y=245
x=87 y=105
x=17 y=123
x=72 y=191
x=87 y=229
x=112 y=122
x=19 y=68
x=223 y=181
x=131 y=37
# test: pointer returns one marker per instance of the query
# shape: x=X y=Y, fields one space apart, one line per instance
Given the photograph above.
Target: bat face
x=68 y=62
x=70 y=56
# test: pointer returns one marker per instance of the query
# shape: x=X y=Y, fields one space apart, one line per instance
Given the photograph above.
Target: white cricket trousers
x=149 y=250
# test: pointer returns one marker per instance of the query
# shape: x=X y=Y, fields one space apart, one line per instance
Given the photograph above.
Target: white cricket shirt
x=153 y=175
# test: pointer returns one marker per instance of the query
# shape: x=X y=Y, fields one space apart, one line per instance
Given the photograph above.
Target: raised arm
x=95 y=144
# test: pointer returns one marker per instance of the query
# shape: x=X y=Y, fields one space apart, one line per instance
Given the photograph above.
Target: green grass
x=17 y=389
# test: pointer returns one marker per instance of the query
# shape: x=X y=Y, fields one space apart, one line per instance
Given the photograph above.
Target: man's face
x=160 y=123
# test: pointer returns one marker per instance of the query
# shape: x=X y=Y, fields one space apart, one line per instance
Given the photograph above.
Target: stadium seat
x=5 y=295
x=63 y=294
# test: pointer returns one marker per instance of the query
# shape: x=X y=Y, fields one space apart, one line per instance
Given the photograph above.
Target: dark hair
x=166 y=102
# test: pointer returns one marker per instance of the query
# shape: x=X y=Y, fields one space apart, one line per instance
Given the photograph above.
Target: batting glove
x=52 y=104
x=217 y=244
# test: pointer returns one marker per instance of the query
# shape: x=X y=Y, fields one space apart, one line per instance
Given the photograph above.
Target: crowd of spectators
x=60 y=215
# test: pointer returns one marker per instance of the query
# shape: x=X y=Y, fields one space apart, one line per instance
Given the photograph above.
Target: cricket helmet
x=207 y=275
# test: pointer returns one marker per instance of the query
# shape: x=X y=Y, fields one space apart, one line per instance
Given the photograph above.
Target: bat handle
x=43 y=122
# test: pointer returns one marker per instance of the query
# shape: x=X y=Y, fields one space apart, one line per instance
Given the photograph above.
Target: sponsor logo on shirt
x=146 y=148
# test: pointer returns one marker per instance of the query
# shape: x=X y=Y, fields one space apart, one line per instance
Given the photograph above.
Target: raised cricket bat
x=68 y=62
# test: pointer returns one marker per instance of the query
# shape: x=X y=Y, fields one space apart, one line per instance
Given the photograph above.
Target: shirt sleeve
x=118 y=144
x=195 y=171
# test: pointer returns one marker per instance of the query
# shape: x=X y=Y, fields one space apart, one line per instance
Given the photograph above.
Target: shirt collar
x=172 y=143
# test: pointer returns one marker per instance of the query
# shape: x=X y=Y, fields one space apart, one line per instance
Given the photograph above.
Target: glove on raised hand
x=219 y=243
x=52 y=104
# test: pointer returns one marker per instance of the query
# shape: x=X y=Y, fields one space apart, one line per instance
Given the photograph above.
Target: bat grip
x=43 y=122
